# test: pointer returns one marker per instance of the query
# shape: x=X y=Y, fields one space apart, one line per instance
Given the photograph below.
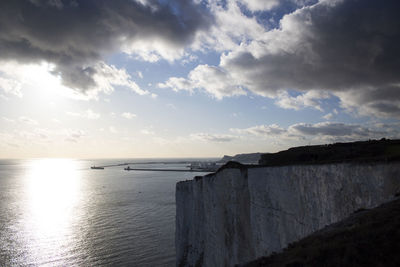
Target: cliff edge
x=241 y=213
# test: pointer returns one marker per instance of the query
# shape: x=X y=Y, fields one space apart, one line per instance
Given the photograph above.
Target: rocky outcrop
x=239 y=214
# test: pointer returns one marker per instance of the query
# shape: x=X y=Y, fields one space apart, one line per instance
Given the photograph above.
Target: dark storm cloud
x=348 y=46
x=74 y=35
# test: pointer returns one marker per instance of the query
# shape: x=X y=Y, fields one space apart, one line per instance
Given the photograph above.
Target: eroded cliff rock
x=368 y=237
x=239 y=214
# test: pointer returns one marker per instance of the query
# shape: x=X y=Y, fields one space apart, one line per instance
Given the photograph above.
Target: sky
x=195 y=78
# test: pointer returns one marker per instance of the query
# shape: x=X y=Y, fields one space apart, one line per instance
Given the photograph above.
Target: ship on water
x=97 y=168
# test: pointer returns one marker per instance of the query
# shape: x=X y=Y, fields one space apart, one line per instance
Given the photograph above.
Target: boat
x=97 y=168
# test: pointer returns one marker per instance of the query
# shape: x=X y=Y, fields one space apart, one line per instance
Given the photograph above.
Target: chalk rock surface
x=239 y=214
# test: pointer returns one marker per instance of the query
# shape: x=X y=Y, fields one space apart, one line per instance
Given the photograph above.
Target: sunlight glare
x=53 y=190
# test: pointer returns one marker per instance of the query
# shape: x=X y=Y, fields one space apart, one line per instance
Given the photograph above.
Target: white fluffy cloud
x=257 y=5
x=14 y=76
x=334 y=48
x=211 y=79
x=328 y=116
x=108 y=76
x=230 y=28
x=309 y=99
x=344 y=47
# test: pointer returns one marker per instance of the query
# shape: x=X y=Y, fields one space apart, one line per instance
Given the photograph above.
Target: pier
x=166 y=170
x=146 y=163
x=193 y=166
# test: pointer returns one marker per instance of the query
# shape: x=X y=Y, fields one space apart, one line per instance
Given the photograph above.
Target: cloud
x=322 y=132
x=112 y=129
x=16 y=76
x=261 y=130
x=328 y=116
x=330 y=129
x=42 y=134
x=74 y=135
x=308 y=99
x=128 y=115
x=265 y=5
x=35 y=136
x=76 y=35
x=219 y=138
x=147 y=132
x=237 y=22
x=11 y=86
x=211 y=79
x=8 y=120
x=108 y=76
x=28 y=120
x=88 y=114
x=341 y=132
x=256 y=5
x=346 y=47
x=229 y=29
x=381 y=102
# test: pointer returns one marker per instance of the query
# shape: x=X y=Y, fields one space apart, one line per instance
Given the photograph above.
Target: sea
x=60 y=212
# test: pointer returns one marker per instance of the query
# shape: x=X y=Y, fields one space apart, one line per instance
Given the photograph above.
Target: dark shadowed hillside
x=363 y=151
x=367 y=238
x=249 y=158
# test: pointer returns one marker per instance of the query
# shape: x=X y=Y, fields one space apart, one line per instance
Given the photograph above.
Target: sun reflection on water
x=53 y=192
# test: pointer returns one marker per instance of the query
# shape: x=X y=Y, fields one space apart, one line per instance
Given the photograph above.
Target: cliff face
x=239 y=214
x=369 y=237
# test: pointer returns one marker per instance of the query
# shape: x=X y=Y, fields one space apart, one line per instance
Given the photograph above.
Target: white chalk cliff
x=239 y=214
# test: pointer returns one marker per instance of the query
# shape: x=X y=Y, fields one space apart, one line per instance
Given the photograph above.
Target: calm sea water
x=59 y=212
